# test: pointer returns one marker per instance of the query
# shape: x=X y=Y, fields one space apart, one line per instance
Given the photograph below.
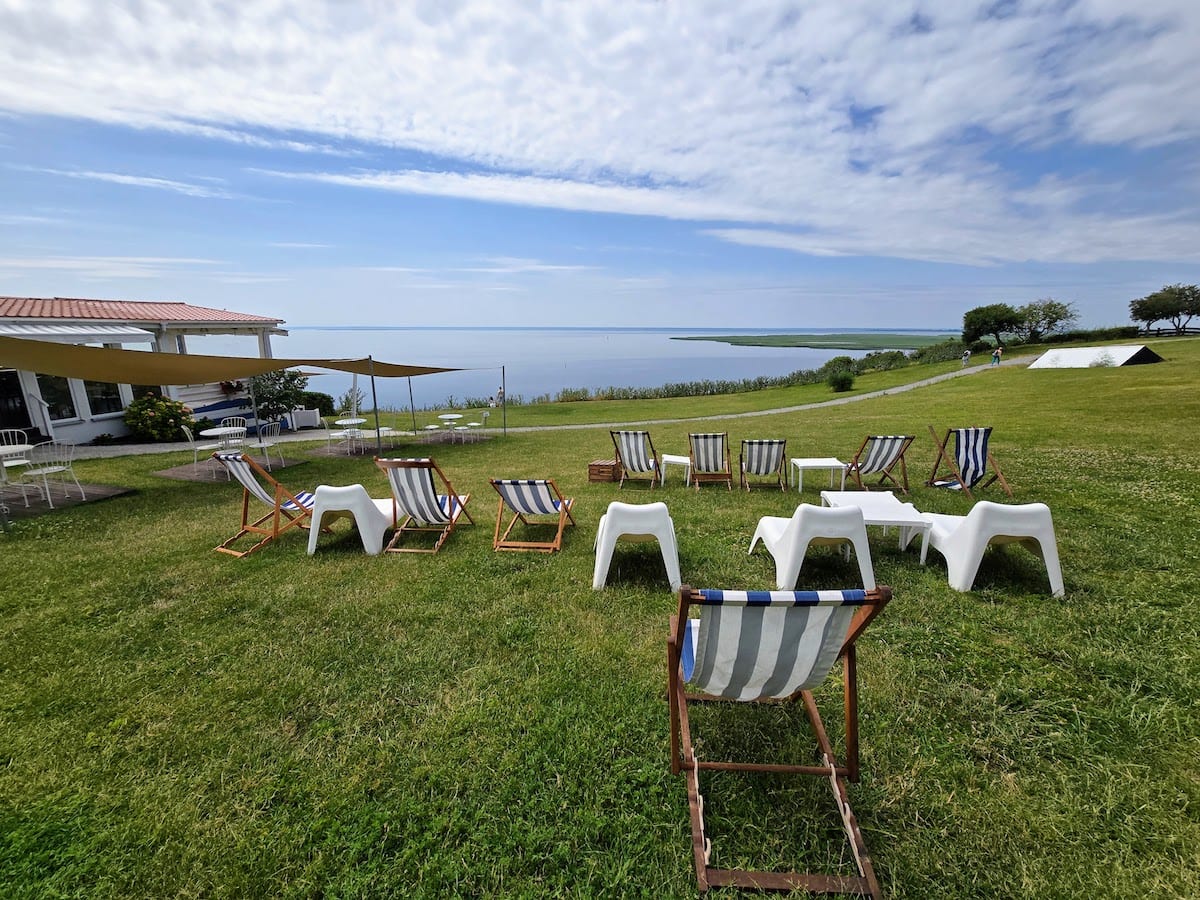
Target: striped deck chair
x=764 y=458
x=417 y=507
x=635 y=455
x=526 y=498
x=880 y=453
x=969 y=465
x=709 y=454
x=288 y=510
x=769 y=646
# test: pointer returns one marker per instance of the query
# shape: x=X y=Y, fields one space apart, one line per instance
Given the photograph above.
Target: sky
x=682 y=164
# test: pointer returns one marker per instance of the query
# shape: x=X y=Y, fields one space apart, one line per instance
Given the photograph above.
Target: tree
x=1043 y=317
x=278 y=393
x=995 y=319
x=1174 y=303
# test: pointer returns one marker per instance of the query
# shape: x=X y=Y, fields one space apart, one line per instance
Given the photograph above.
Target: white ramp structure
x=1096 y=357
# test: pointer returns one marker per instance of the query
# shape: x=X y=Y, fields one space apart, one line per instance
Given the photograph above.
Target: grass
x=174 y=722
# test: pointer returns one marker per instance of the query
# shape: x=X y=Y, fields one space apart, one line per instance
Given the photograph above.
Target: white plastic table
x=671 y=460
x=882 y=508
x=823 y=462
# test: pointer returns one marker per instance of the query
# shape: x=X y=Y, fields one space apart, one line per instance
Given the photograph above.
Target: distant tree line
x=1028 y=324
x=1174 y=303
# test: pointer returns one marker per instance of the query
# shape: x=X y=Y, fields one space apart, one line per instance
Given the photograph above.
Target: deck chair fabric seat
x=371 y=517
x=530 y=501
x=968 y=467
x=636 y=456
x=764 y=459
x=287 y=510
x=962 y=540
x=788 y=540
x=710 y=458
x=769 y=646
x=878 y=455
x=418 y=507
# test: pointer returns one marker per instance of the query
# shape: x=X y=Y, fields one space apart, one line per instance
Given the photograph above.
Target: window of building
x=103 y=397
x=57 y=394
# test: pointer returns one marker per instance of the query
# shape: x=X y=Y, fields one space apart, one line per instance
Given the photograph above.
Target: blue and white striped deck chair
x=635 y=455
x=768 y=646
x=969 y=465
x=528 y=499
x=763 y=458
x=417 y=507
x=880 y=453
x=709 y=454
x=287 y=509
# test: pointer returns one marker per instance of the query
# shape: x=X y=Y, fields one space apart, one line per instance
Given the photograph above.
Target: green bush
x=840 y=380
x=153 y=418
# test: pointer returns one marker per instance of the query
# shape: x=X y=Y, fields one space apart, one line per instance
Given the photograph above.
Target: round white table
x=449 y=419
x=13 y=455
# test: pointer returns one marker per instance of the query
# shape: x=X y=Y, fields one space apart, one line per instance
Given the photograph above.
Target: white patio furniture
x=671 y=459
x=52 y=460
x=962 y=540
x=882 y=508
x=636 y=522
x=788 y=540
x=266 y=439
x=801 y=464
x=371 y=517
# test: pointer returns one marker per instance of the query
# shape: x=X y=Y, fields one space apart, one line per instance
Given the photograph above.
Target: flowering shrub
x=155 y=418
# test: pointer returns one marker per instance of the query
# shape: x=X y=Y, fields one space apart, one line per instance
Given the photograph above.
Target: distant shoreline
x=859 y=341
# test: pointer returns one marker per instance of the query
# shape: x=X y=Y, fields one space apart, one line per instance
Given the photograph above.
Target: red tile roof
x=124 y=311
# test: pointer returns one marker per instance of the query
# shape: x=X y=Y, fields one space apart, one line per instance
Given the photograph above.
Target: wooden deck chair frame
x=703 y=465
x=288 y=510
x=526 y=498
x=955 y=476
x=859 y=466
x=623 y=463
x=777 y=471
x=444 y=510
x=684 y=758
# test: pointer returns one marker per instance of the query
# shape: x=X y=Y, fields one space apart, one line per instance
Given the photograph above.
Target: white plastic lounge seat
x=962 y=540
x=788 y=540
x=763 y=458
x=879 y=454
x=287 y=510
x=418 y=507
x=709 y=454
x=770 y=646
x=635 y=455
x=371 y=517
x=636 y=522
x=531 y=502
x=968 y=467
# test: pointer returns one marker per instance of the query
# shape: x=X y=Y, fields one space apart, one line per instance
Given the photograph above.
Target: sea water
x=529 y=362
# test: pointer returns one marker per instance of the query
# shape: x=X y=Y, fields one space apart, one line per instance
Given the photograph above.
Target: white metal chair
x=483 y=418
x=962 y=540
x=14 y=455
x=266 y=438
x=52 y=460
x=234 y=439
x=788 y=540
x=205 y=448
x=636 y=522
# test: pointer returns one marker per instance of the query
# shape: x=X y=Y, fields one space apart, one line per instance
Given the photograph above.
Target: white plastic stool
x=371 y=517
x=636 y=522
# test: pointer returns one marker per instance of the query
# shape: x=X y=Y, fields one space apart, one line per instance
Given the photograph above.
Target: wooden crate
x=603 y=470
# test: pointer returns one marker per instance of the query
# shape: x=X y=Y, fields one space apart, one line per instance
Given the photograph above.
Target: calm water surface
x=535 y=362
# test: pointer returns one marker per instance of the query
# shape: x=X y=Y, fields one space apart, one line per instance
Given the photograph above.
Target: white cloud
x=104 y=266
x=162 y=184
x=830 y=128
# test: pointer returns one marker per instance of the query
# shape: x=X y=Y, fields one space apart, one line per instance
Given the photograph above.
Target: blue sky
x=798 y=165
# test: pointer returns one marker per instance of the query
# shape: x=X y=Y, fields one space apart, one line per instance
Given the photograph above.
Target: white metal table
x=14 y=455
x=800 y=464
x=882 y=508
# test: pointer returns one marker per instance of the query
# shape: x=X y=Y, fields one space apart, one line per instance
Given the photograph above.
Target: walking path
x=89 y=451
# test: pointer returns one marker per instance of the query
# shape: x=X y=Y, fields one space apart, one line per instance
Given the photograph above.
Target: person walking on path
x=966 y=358
x=996 y=354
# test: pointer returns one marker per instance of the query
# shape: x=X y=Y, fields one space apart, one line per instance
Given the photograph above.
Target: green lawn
x=175 y=722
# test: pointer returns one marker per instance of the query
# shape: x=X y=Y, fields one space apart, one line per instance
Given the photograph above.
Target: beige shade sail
x=143 y=367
